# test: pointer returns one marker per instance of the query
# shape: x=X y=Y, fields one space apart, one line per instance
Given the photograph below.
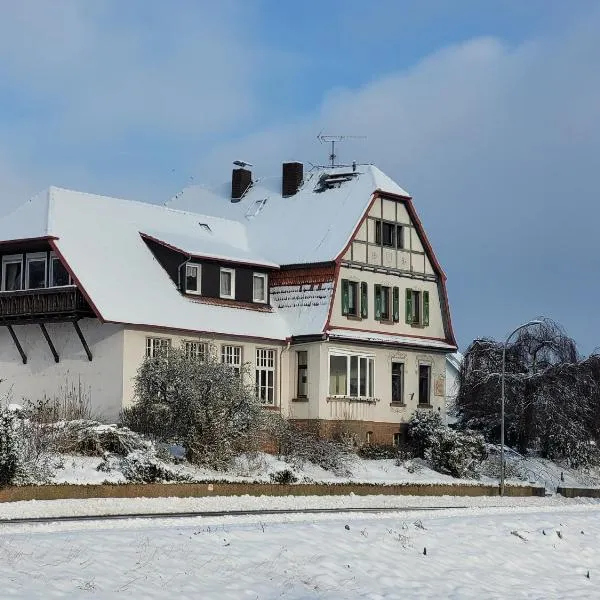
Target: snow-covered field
x=521 y=551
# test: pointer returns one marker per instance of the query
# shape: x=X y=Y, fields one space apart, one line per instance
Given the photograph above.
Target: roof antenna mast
x=333 y=139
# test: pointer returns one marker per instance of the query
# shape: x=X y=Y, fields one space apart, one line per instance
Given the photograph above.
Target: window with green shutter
x=396 y=304
x=408 y=308
x=425 y=308
x=364 y=300
x=378 y=302
x=345 y=296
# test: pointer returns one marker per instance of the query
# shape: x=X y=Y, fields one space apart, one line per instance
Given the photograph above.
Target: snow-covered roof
x=309 y=227
x=403 y=340
x=455 y=360
x=99 y=237
x=304 y=307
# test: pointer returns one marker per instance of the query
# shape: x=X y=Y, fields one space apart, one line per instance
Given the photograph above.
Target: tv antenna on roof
x=332 y=139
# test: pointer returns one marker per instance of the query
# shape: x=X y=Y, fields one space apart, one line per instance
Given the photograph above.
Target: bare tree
x=552 y=394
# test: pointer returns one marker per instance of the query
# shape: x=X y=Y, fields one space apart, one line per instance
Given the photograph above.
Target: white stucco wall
x=101 y=378
x=135 y=351
x=320 y=406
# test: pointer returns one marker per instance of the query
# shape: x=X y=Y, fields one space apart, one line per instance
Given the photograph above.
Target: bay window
x=59 y=276
x=35 y=270
x=12 y=272
x=351 y=375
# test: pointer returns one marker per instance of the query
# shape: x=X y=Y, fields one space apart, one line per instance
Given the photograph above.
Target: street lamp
x=502 y=465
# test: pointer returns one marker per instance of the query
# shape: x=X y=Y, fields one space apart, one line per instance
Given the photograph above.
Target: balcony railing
x=42 y=305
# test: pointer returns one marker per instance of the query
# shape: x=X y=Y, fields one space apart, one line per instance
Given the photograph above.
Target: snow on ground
x=259 y=467
x=491 y=553
x=115 y=506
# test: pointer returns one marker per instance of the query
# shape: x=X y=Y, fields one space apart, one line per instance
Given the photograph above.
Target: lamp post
x=502 y=465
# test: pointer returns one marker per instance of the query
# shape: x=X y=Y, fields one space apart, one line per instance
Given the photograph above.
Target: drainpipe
x=285 y=349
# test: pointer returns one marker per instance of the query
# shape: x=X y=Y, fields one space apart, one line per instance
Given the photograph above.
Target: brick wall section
x=198 y=490
x=381 y=432
x=305 y=276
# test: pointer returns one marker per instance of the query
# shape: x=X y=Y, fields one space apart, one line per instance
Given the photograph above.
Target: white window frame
x=155 y=344
x=12 y=259
x=232 y=272
x=35 y=257
x=369 y=379
x=265 y=279
x=195 y=349
x=232 y=355
x=54 y=257
x=402 y=379
x=266 y=361
x=198 y=268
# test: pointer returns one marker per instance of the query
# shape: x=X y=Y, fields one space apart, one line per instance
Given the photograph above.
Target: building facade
x=324 y=284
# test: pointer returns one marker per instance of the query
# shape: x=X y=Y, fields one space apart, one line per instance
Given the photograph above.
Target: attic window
x=205 y=227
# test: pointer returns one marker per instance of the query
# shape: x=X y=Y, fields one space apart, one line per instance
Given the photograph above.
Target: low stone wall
x=569 y=492
x=187 y=490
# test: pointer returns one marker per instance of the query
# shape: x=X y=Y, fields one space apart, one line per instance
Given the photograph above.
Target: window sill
x=398 y=404
x=424 y=405
x=418 y=325
x=386 y=321
x=299 y=399
x=353 y=318
x=351 y=399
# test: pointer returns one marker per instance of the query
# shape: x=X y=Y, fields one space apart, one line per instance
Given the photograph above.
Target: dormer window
x=12 y=272
x=259 y=287
x=35 y=270
x=389 y=234
x=192 y=279
x=59 y=276
x=227 y=289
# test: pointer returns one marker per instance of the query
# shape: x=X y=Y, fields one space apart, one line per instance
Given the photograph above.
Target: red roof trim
x=74 y=277
x=207 y=257
x=199 y=332
x=409 y=335
x=44 y=238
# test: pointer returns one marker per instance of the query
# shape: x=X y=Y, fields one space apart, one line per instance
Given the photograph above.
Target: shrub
x=449 y=451
x=10 y=446
x=300 y=445
x=141 y=467
x=286 y=476
x=378 y=451
x=423 y=427
x=204 y=406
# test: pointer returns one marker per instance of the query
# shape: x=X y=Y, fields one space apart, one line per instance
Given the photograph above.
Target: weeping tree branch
x=552 y=394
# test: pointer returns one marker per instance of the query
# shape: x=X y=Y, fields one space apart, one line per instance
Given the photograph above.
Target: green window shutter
x=345 y=297
x=378 y=302
x=409 y=306
x=425 y=308
x=364 y=300
x=396 y=304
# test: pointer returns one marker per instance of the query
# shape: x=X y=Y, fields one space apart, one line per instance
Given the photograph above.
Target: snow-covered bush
x=378 y=451
x=11 y=443
x=454 y=452
x=141 y=466
x=299 y=445
x=286 y=476
x=204 y=406
x=423 y=426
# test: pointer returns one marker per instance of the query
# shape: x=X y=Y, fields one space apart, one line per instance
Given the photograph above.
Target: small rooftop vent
x=328 y=181
x=255 y=208
x=205 y=227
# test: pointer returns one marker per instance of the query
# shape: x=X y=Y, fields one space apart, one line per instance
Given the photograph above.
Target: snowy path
x=509 y=552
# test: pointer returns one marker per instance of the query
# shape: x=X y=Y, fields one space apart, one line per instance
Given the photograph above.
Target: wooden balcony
x=43 y=306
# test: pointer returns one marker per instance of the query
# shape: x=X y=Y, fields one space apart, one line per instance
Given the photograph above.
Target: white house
x=324 y=282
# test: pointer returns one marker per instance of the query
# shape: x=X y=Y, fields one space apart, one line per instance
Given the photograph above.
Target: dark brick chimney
x=241 y=180
x=293 y=174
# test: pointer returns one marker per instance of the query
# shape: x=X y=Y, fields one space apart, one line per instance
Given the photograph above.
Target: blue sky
x=487 y=112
